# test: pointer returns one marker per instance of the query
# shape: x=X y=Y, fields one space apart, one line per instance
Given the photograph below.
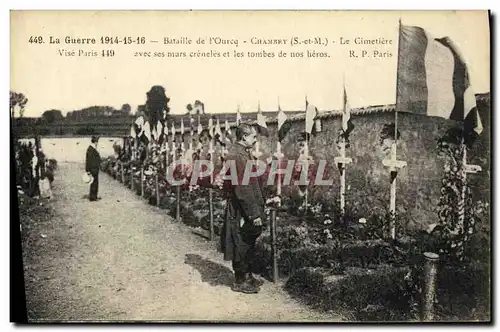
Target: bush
x=362 y=295
x=86 y=131
x=464 y=292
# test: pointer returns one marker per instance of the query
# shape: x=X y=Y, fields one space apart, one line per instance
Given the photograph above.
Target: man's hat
x=87 y=178
x=94 y=139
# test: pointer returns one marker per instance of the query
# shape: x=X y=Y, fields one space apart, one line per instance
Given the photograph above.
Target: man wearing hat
x=244 y=214
x=92 y=166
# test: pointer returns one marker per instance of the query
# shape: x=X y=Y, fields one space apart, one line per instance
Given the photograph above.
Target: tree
x=156 y=104
x=52 y=116
x=19 y=100
x=126 y=108
x=141 y=110
x=199 y=107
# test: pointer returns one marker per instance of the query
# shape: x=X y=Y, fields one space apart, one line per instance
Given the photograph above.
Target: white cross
x=342 y=162
x=394 y=165
x=279 y=155
x=466 y=168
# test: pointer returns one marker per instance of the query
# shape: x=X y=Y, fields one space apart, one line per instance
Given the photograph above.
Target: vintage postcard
x=251 y=166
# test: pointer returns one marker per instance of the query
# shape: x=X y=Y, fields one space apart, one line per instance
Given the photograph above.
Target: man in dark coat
x=244 y=213
x=92 y=166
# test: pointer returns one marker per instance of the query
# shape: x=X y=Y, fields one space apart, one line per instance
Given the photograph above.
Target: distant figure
x=44 y=187
x=92 y=166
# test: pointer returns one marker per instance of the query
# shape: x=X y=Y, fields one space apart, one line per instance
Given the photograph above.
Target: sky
x=52 y=81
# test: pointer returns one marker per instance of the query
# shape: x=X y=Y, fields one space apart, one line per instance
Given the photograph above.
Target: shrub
x=361 y=295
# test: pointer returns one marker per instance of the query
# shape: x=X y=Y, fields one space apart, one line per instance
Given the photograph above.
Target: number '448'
x=36 y=39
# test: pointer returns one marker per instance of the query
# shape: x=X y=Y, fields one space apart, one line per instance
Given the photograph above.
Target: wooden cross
x=167 y=151
x=279 y=155
x=211 y=153
x=306 y=168
x=394 y=165
x=466 y=168
x=342 y=162
x=142 y=180
x=178 y=188
x=134 y=151
x=122 y=168
x=157 y=188
x=123 y=172
x=191 y=137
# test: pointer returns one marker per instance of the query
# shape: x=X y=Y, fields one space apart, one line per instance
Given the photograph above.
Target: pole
x=132 y=177
x=306 y=166
x=142 y=181
x=167 y=150
x=178 y=206
x=210 y=201
x=429 y=287
x=342 y=165
x=257 y=143
x=134 y=149
x=392 y=207
x=397 y=89
x=191 y=123
x=342 y=155
x=273 y=246
x=178 y=198
x=157 y=191
x=273 y=217
x=210 y=190
x=307 y=172
x=342 y=185
x=463 y=192
x=123 y=154
x=123 y=172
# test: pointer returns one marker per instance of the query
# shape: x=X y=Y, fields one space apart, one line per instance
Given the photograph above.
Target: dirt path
x=121 y=259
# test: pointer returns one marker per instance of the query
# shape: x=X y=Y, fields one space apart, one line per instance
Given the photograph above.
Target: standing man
x=92 y=166
x=244 y=214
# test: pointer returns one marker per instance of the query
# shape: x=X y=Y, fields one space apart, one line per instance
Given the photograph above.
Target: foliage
x=87 y=130
x=459 y=216
x=196 y=108
x=52 y=116
x=24 y=154
x=43 y=131
x=31 y=166
x=377 y=295
x=17 y=100
x=156 y=106
x=90 y=112
x=126 y=108
x=388 y=132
